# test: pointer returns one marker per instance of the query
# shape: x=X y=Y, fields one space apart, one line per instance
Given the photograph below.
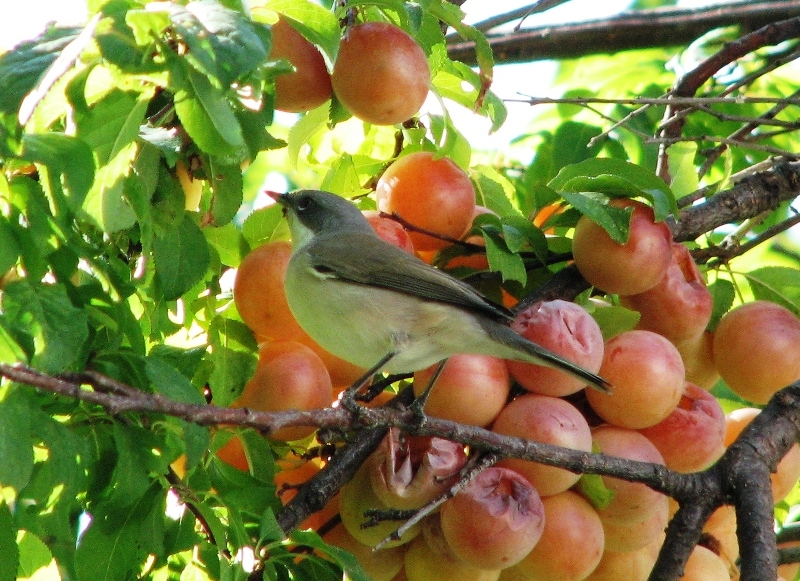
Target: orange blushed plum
x=757 y=349
x=704 y=565
x=259 y=293
x=628 y=565
x=625 y=269
x=692 y=437
x=698 y=359
x=569 y=331
x=550 y=420
x=288 y=376
x=571 y=544
x=679 y=305
x=381 y=74
x=788 y=471
x=495 y=521
x=472 y=389
x=309 y=86
x=648 y=376
x=423 y=562
x=626 y=537
x=431 y=193
x=632 y=502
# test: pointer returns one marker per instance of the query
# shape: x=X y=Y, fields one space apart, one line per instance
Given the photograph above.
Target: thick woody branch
x=636 y=30
x=761 y=192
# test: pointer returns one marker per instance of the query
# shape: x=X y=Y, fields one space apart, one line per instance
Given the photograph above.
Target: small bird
x=378 y=307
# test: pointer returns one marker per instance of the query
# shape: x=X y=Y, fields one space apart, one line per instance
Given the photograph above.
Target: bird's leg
x=348 y=399
x=418 y=407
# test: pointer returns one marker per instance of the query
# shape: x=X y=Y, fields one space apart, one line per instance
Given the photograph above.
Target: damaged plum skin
x=566 y=329
x=495 y=521
x=407 y=472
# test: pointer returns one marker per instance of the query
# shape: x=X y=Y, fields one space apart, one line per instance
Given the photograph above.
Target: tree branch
x=636 y=30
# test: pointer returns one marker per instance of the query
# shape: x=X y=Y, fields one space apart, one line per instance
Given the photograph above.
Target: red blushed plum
x=409 y=471
x=389 y=230
x=495 y=521
x=632 y=502
x=679 y=305
x=648 y=375
x=471 y=390
x=572 y=542
x=381 y=74
x=757 y=349
x=309 y=86
x=550 y=420
x=569 y=331
x=625 y=269
x=692 y=437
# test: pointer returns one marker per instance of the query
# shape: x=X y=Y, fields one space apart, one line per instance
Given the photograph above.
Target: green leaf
x=9 y=248
x=34 y=556
x=181 y=258
x=115 y=544
x=681 y=166
x=502 y=260
x=314 y=22
x=232 y=369
x=302 y=131
x=616 y=178
x=22 y=67
x=172 y=383
x=227 y=240
x=261 y=226
x=9 y=564
x=723 y=294
x=494 y=191
x=208 y=117
x=345 y=560
x=614 y=320
x=16 y=445
x=779 y=284
x=615 y=221
x=222 y=43
x=226 y=185
x=66 y=155
x=58 y=328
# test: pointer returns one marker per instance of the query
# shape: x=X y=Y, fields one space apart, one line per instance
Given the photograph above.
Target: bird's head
x=312 y=212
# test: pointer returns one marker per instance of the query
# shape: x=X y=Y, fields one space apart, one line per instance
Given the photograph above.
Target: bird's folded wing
x=371 y=261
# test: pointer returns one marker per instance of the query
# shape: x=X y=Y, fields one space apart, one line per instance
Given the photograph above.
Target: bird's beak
x=280 y=198
x=277 y=196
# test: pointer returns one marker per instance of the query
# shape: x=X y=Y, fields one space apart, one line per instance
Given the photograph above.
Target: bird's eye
x=304 y=203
